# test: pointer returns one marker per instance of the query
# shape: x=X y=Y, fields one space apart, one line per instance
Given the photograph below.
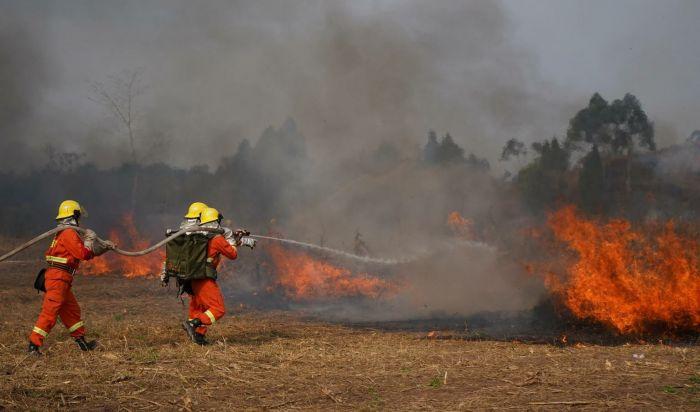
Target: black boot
x=200 y=339
x=34 y=350
x=190 y=327
x=85 y=345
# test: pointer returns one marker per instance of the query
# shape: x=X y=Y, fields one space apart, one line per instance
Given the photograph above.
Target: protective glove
x=89 y=235
x=238 y=234
x=248 y=241
x=99 y=246
x=89 y=239
x=164 y=278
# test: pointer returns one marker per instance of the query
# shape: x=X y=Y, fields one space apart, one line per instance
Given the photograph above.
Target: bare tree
x=119 y=95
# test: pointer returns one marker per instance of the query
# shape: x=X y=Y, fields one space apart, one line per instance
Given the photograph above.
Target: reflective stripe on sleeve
x=76 y=326
x=211 y=316
x=56 y=259
x=40 y=331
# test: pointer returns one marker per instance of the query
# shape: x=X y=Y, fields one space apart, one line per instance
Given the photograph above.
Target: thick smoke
x=350 y=73
x=24 y=79
x=364 y=82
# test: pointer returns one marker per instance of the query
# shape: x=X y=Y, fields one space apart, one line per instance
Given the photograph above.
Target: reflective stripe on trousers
x=40 y=331
x=76 y=326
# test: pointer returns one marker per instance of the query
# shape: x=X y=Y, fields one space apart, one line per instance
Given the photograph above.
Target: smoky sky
x=352 y=74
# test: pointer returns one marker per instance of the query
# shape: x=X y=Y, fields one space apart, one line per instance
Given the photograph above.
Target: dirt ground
x=280 y=361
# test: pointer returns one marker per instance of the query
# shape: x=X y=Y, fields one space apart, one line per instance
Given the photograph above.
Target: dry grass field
x=279 y=361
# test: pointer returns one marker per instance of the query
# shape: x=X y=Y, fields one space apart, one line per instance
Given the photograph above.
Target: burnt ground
x=278 y=360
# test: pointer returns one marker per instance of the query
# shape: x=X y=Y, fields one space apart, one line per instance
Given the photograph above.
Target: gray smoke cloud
x=350 y=74
x=24 y=77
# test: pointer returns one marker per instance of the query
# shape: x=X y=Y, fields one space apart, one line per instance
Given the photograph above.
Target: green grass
x=436 y=382
x=672 y=390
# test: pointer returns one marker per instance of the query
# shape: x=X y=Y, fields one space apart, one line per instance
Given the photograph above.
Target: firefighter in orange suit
x=63 y=257
x=206 y=301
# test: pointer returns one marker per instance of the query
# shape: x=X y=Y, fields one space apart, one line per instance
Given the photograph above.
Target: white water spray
x=381 y=261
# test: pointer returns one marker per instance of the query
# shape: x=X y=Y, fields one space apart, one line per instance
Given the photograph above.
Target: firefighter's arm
x=222 y=246
x=75 y=246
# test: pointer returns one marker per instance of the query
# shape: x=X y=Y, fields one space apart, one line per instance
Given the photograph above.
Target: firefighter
x=206 y=301
x=63 y=257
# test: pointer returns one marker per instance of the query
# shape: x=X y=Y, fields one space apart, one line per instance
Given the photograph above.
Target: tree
x=542 y=182
x=431 y=149
x=591 y=182
x=617 y=129
x=478 y=163
x=449 y=151
x=513 y=148
x=589 y=124
x=119 y=98
x=553 y=156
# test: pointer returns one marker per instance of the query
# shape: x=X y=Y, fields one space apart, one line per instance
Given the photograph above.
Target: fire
x=130 y=267
x=303 y=277
x=460 y=225
x=635 y=280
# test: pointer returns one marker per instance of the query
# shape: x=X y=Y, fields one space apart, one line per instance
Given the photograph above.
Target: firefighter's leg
x=70 y=316
x=53 y=301
x=211 y=298
x=196 y=308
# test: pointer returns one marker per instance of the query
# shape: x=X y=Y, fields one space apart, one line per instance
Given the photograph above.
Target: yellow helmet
x=70 y=208
x=210 y=215
x=195 y=210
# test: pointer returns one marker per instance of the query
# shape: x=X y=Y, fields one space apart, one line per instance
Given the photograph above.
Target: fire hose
x=116 y=250
x=171 y=236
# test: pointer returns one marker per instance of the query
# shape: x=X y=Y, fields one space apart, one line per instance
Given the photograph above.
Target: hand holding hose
x=238 y=234
x=234 y=236
x=100 y=246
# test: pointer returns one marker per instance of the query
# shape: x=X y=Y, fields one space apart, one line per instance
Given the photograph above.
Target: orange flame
x=130 y=267
x=461 y=226
x=303 y=277
x=632 y=280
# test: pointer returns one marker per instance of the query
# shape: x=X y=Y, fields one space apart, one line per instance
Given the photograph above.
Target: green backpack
x=186 y=258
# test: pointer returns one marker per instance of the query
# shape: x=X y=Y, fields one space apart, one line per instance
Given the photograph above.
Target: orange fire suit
x=63 y=257
x=207 y=302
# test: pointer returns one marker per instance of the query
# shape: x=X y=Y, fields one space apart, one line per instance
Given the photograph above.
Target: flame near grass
x=303 y=277
x=142 y=266
x=634 y=280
